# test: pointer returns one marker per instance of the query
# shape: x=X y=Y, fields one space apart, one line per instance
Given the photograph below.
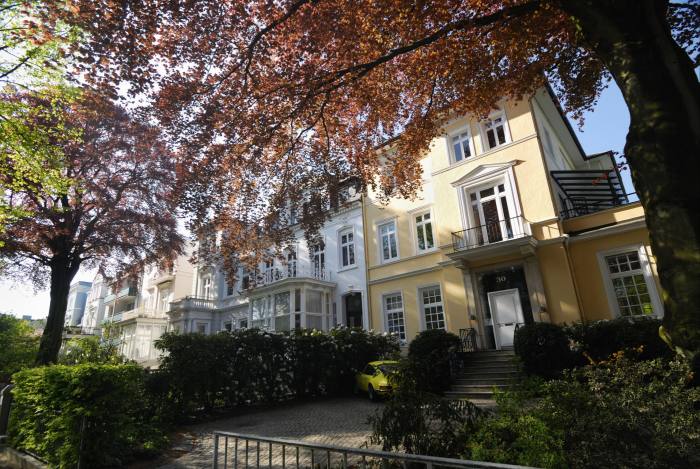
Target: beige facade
x=513 y=224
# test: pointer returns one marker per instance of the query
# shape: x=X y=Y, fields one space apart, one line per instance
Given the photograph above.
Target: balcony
x=582 y=206
x=133 y=314
x=590 y=191
x=192 y=303
x=126 y=292
x=291 y=272
x=496 y=238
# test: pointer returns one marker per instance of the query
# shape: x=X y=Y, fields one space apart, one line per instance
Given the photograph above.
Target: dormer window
x=461 y=145
x=495 y=131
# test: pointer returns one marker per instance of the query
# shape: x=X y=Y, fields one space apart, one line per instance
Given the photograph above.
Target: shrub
x=543 y=349
x=90 y=350
x=430 y=353
x=18 y=346
x=600 y=339
x=626 y=414
x=92 y=414
x=518 y=439
x=418 y=422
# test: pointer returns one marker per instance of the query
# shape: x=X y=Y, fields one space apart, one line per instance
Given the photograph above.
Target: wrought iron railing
x=467 y=340
x=237 y=450
x=579 y=206
x=490 y=233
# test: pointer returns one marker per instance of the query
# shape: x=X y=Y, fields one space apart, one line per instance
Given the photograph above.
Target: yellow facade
x=546 y=264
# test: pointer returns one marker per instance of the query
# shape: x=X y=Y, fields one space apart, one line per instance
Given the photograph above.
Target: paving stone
x=338 y=422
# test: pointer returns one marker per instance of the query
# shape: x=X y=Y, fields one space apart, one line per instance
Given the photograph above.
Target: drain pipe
x=567 y=240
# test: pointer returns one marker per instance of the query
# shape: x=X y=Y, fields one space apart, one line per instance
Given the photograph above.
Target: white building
x=135 y=312
x=77 y=299
x=95 y=306
x=317 y=287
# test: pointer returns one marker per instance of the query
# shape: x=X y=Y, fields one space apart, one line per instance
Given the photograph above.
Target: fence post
x=5 y=402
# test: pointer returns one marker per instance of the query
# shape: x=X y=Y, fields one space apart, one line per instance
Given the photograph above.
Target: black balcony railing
x=580 y=206
x=494 y=232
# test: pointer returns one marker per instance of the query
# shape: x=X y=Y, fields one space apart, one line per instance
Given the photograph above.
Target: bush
x=518 y=439
x=626 y=414
x=543 y=349
x=601 y=339
x=418 y=422
x=18 y=346
x=90 y=413
x=430 y=353
x=90 y=350
x=200 y=374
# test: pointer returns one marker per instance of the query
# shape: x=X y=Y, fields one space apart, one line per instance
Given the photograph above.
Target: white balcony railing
x=193 y=303
x=277 y=274
x=134 y=313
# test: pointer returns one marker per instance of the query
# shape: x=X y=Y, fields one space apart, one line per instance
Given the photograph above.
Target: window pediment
x=483 y=172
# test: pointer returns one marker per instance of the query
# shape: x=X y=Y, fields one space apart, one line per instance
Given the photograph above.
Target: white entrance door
x=506 y=313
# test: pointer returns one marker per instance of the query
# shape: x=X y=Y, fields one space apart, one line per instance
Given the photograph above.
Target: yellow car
x=375 y=378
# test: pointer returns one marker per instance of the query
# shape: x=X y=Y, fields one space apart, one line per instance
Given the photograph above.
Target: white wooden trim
x=419 y=301
x=654 y=296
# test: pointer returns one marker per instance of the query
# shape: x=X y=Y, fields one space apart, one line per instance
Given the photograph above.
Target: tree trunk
x=62 y=273
x=657 y=80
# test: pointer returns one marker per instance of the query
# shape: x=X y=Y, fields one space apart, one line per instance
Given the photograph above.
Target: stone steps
x=482 y=373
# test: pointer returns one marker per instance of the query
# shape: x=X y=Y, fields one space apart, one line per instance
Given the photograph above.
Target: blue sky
x=604 y=129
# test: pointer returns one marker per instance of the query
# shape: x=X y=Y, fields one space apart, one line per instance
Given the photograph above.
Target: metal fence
x=235 y=450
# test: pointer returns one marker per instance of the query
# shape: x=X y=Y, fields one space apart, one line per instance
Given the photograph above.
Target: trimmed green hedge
x=95 y=414
x=200 y=374
x=548 y=349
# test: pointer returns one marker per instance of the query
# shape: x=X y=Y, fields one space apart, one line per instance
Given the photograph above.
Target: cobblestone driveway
x=341 y=422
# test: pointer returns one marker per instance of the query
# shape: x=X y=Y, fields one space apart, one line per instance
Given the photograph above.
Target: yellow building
x=514 y=223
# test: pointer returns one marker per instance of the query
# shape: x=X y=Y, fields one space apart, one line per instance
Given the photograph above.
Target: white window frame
x=321 y=253
x=343 y=232
x=207 y=284
x=385 y=314
x=421 y=305
x=645 y=268
x=201 y=323
x=415 y=225
x=451 y=144
x=381 y=242
x=506 y=130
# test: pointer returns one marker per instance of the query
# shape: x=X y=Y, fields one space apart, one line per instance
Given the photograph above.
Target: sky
x=604 y=129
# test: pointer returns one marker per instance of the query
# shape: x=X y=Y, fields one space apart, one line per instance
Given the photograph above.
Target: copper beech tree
x=115 y=212
x=279 y=102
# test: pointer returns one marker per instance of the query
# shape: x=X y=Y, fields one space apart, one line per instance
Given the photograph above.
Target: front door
x=506 y=314
x=353 y=310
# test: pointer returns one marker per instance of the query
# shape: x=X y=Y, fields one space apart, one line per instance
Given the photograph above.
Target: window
x=433 y=314
x=387 y=236
x=245 y=279
x=229 y=288
x=319 y=259
x=269 y=271
x=491 y=213
x=630 y=288
x=495 y=131
x=201 y=328
x=347 y=248
x=206 y=288
x=461 y=146
x=227 y=326
x=393 y=311
x=292 y=262
x=424 y=232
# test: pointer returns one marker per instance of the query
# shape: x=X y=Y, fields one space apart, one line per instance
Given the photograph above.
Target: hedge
x=548 y=349
x=200 y=374
x=92 y=414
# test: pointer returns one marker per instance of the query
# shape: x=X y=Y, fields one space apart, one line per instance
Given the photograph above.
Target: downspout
x=365 y=250
x=567 y=240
